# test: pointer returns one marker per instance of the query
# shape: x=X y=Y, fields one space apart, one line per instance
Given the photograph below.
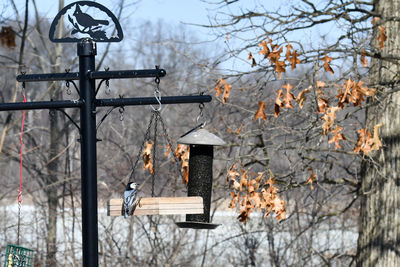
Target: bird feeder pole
x=86 y=53
x=86 y=38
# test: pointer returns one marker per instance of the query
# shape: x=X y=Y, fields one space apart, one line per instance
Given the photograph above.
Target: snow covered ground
x=225 y=245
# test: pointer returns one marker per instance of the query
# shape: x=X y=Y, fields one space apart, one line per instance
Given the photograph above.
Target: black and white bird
x=130 y=196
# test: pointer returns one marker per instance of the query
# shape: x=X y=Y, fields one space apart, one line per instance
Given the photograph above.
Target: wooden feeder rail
x=160 y=206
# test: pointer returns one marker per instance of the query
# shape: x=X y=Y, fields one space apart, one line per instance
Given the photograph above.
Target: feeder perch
x=201 y=156
x=18 y=256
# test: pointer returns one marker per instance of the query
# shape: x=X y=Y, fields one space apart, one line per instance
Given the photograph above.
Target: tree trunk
x=53 y=180
x=379 y=234
x=51 y=238
x=54 y=161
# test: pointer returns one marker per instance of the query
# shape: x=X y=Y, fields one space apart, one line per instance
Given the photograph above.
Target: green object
x=18 y=257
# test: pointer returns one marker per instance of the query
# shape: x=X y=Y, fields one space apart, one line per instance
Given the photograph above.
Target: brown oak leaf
x=264 y=48
x=278 y=103
x=323 y=104
x=374 y=20
x=288 y=97
x=337 y=136
x=327 y=67
x=280 y=67
x=146 y=154
x=182 y=154
x=311 y=178
x=363 y=59
x=7 y=37
x=329 y=119
x=376 y=142
x=301 y=97
x=260 y=114
x=253 y=61
x=382 y=37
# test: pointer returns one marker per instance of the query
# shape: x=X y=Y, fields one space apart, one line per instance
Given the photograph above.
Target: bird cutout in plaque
x=85 y=20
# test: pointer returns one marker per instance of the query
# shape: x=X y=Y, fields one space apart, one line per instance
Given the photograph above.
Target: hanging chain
x=156 y=115
x=19 y=222
x=170 y=145
x=157 y=95
x=146 y=137
x=153 y=177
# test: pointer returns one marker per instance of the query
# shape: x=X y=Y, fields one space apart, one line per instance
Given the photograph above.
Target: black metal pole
x=70 y=76
x=86 y=53
x=41 y=105
x=138 y=101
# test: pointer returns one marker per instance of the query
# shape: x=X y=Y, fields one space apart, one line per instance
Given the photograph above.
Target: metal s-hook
x=121 y=113
x=108 y=90
x=67 y=83
x=201 y=107
x=121 y=110
x=157 y=95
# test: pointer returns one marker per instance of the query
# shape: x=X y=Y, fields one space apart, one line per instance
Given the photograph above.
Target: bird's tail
x=124 y=213
x=103 y=22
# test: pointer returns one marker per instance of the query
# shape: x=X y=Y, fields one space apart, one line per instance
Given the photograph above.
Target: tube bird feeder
x=201 y=156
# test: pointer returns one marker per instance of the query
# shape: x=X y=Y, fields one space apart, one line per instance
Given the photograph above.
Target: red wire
x=20 y=160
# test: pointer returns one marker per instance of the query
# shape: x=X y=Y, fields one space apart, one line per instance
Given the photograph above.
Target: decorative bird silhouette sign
x=85 y=20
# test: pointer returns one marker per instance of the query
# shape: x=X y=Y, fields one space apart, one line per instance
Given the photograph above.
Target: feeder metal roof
x=201 y=137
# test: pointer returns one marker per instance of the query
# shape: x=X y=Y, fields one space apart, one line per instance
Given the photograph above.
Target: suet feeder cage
x=201 y=156
x=18 y=256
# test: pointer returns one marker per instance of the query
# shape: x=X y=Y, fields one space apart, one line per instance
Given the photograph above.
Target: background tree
x=379 y=235
x=330 y=133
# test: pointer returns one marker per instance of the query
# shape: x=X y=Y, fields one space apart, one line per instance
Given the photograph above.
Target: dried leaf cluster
x=223 y=88
x=381 y=34
x=7 y=37
x=366 y=143
x=349 y=92
x=254 y=191
x=147 y=157
x=273 y=52
x=182 y=154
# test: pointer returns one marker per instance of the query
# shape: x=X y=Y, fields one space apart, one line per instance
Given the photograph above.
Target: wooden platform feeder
x=160 y=206
x=201 y=157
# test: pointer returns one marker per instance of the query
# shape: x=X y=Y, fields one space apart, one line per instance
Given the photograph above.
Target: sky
x=176 y=11
x=170 y=11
